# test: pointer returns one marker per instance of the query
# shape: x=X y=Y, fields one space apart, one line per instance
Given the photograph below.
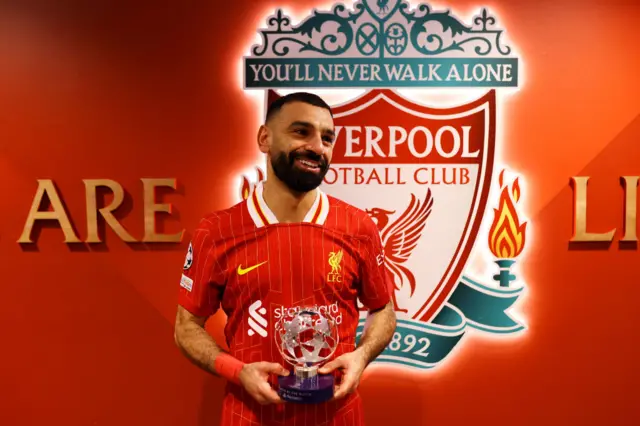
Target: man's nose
x=316 y=144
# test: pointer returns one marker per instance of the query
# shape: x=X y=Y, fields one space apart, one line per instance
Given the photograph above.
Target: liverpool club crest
x=425 y=173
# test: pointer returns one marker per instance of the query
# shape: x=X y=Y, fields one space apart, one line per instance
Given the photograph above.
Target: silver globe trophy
x=306 y=338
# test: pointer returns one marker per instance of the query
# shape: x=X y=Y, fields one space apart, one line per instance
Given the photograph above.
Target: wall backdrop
x=147 y=108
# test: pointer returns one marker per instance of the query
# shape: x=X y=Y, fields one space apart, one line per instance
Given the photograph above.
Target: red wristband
x=228 y=367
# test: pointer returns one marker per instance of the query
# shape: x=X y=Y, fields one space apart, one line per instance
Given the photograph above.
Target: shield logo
x=423 y=174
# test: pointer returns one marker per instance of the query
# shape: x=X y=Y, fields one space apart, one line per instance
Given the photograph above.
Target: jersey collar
x=262 y=215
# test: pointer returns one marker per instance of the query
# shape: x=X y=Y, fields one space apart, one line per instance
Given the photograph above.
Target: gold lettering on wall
x=630 y=184
x=55 y=210
x=580 y=214
x=58 y=212
x=91 y=186
x=151 y=208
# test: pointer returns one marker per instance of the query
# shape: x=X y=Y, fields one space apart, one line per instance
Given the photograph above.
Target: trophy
x=306 y=338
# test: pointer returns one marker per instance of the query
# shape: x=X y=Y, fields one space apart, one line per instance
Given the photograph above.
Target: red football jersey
x=243 y=260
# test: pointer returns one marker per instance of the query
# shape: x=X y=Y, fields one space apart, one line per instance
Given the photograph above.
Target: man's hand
x=255 y=380
x=377 y=334
x=352 y=365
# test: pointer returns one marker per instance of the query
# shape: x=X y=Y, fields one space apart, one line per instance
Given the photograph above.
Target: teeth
x=307 y=163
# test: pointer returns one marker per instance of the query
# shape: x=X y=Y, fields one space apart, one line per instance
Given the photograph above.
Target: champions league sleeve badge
x=189 y=258
x=428 y=173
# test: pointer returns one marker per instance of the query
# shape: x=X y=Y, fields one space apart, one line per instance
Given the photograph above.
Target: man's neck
x=288 y=206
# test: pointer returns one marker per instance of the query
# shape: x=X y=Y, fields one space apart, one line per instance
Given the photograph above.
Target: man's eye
x=328 y=139
x=301 y=131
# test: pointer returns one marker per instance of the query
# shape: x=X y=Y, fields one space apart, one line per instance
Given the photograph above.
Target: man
x=271 y=253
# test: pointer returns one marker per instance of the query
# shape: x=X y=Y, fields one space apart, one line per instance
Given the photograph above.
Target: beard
x=295 y=178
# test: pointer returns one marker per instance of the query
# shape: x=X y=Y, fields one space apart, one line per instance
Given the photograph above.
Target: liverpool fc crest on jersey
x=335 y=276
x=426 y=173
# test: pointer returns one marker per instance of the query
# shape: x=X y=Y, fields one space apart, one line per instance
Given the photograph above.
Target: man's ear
x=264 y=139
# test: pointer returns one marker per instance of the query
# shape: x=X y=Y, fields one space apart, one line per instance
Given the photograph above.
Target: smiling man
x=288 y=246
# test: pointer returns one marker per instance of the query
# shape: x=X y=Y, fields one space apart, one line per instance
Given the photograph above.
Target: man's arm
x=375 y=289
x=201 y=288
x=200 y=348
x=378 y=332
x=194 y=341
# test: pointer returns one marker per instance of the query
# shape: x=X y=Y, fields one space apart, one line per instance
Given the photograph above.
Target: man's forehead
x=301 y=111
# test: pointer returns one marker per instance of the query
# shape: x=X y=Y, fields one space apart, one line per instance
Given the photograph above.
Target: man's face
x=301 y=145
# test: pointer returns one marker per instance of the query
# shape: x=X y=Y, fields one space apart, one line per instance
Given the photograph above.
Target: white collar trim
x=262 y=215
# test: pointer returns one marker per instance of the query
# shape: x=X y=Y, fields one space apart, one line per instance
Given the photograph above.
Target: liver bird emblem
x=400 y=238
x=383 y=5
x=334 y=261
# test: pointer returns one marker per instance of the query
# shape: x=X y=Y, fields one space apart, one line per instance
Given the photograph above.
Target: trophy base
x=308 y=390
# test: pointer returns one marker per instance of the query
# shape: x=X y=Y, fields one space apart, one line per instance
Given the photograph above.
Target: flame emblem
x=246 y=187
x=507 y=235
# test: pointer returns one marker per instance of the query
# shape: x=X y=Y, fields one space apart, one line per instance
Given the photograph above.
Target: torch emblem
x=507 y=235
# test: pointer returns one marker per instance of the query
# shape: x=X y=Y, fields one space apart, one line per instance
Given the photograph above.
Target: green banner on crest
x=424 y=345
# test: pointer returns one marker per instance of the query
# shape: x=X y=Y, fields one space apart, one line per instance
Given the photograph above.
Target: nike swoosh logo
x=249 y=269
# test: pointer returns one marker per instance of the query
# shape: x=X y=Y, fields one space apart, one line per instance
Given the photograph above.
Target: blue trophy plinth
x=306 y=387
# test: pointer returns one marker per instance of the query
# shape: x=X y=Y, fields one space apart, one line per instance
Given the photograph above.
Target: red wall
x=132 y=90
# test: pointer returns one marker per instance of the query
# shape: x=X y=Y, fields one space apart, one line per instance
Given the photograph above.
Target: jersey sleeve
x=375 y=288
x=202 y=281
